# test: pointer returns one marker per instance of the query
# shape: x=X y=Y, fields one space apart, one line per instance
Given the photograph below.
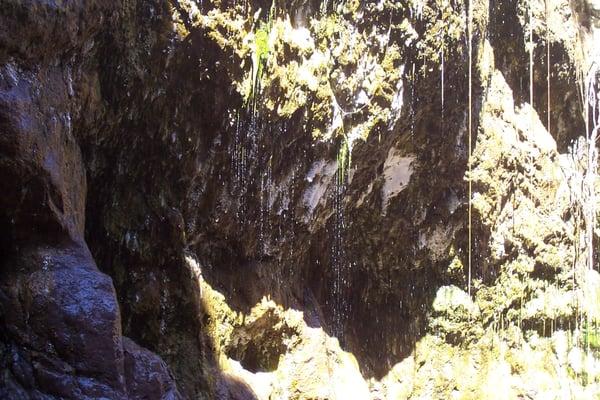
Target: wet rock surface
x=146 y=375
x=62 y=326
x=61 y=321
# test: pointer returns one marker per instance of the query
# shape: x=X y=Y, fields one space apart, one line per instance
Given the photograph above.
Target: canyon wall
x=302 y=199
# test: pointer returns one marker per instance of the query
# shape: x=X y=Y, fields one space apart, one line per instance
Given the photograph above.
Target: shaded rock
x=41 y=31
x=146 y=375
x=60 y=314
x=230 y=387
x=43 y=177
x=294 y=361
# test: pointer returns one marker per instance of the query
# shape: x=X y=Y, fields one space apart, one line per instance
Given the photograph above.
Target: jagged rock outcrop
x=273 y=197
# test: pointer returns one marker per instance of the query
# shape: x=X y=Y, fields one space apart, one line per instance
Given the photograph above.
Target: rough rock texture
x=61 y=334
x=274 y=198
x=277 y=354
x=146 y=375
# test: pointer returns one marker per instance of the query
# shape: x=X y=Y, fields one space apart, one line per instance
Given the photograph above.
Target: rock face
x=61 y=324
x=275 y=199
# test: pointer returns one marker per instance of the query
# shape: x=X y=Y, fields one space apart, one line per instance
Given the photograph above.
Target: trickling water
x=442 y=79
x=244 y=152
x=236 y=159
x=261 y=212
x=412 y=139
x=266 y=212
x=339 y=262
x=592 y=124
x=470 y=145
x=292 y=223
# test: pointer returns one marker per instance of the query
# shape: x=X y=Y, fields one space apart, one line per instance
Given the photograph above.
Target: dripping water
x=442 y=79
x=470 y=184
x=339 y=260
x=292 y=224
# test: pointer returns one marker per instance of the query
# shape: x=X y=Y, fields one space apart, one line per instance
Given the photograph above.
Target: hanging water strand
x=268 y=201
x=341 y=266
x=442 y=78
x=262 y=211
x=546 y=15
x=531 y=130
x=531 y=62
x=591 y=123
x=547 y=67
x=264 y=196
x=412 y=143
x=289 y=218
x=338 y=258
x=470 y=190
x=236 y=154
x=238 y=164
x=594 y=101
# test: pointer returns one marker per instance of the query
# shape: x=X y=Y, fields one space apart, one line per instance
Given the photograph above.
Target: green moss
x=456 y=268
x=591 y=335
x=444 y=28
x=260 y=55
x=334 y=59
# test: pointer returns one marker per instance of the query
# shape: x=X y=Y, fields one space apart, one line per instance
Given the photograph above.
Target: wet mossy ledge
x=267 y=199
